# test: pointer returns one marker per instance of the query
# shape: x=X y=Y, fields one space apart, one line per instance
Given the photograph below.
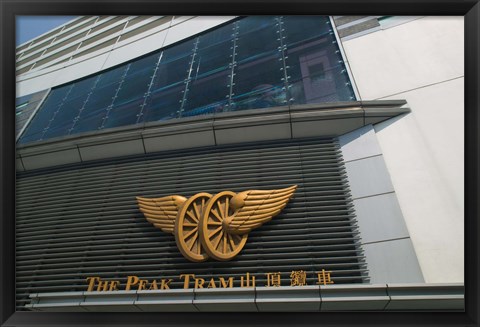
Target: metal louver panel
x=83 y=220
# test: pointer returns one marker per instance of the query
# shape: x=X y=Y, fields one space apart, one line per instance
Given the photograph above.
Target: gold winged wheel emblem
x=217 y=226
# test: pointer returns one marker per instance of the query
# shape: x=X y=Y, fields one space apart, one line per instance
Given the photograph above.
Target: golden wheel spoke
x=190 y=246
x=215 y=213
x=215 y=232
x=215 y=246
x=187 y=235
x=221 y=210
x=215 y=241
x=232 y=243
x=225 y=243
x=196 y=210
x=187 y=228
x=192 y=216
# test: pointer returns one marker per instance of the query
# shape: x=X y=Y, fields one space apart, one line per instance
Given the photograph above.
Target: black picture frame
x=9 y=8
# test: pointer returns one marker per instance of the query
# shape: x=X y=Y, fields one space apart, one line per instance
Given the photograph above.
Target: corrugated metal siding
x=83 y=220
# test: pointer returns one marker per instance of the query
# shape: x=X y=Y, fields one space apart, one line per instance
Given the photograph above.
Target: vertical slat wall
x=83 y=220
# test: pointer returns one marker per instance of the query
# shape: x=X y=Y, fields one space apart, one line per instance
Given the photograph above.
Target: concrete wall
x=421 y=61
x=389 y=252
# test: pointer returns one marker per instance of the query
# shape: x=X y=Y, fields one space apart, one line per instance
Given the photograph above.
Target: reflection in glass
x=250 y=63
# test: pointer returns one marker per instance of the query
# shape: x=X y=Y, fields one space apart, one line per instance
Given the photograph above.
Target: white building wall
x=421 y=61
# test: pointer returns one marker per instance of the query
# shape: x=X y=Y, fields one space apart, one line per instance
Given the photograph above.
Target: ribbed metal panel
x=84 y=221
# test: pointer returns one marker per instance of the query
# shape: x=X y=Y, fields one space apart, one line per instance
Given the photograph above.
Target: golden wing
x=254 y=208
x=161 y=212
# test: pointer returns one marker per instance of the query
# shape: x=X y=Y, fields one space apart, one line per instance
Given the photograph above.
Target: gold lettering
x=153 y=285
x=114 y=285
x=224 y=284
x=102 y=285
x=273 y=279
x=211 y=284
x=298 y=278
x=324 y=277
x=247 y=281
x=131 y=280
x=142 y=284
x=91 y=283
x=199 y=282
x=187 y=279
x=164 y=285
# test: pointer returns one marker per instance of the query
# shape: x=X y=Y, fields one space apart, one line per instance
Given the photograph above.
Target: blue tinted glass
x=184 y=49
x=45 y=114
x=132 y=92
x=257 y=38
x=168 y=86
x=301 y=29
x=316 y=70
x=208 y=89
x=63 y=119
x=254 y=62
x=95 y=110
x=254 y=24
x=259 y=77
x=214 y=51
x=322 y=86
x=102 y=96
x=202 y=98
x=164 y=104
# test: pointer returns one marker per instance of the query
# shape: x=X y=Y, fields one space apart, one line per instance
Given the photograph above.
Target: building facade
x=364 y=114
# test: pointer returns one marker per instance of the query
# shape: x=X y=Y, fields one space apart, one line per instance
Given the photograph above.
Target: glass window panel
x=132 y=92
x=309 y=54
x=258 y=80
x=124 y=114
x=184 y=49
x=255 y=23
x=81 y=88
x=43 y=116
x=111 y=77
x=144 y=64
x=169 y=83
x=213 y=58
x=262 y=96
x=95 y=110
x=216 y=36
x=172 y=72
x=164 y=104
x=259 y=42
x=259 y=84
x=137 y=79
x=63 y=119
x=323 y=86
x=317 y=72
x=134 y=87
x=207 y=95
x=24 y=108
x=301 y=29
